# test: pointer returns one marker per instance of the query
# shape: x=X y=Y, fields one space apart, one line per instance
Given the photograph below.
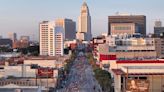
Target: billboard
x=45 y=73
x=137 y=85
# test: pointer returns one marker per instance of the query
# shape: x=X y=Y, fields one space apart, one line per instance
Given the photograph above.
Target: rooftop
x=139 y=61
x=45 y=57
x=144 y=67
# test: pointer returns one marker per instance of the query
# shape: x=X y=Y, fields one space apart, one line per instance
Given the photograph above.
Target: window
x=143 y=78
x=122 y=28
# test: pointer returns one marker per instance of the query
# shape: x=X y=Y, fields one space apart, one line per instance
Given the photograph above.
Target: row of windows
x=44 y=35
x=44 y=46
x=58 y=44
x=134 y=50
x=58 y=35
x=44 y=27
x=122 y=28
x=58 y=41
x=58 y=51
x=44 y=30
x=44 y=50
x=44 y=41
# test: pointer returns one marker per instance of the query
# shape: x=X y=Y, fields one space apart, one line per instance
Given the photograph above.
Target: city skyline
x=24 y=16
x=81 y=46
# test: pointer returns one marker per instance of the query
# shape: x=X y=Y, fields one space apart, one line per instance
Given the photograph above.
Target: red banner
x=45 y=72
x=107 y=57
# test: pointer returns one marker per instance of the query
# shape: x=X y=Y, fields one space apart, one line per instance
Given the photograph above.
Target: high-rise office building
x=45 y=29
x=51 y=39
x=139 y=20
x=158 y=29
x=158 y=23
x=84 y=24
x=59 y=41
x=69 y=27
x=12 y=36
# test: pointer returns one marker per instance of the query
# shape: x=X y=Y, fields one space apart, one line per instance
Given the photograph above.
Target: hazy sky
x=23 y=16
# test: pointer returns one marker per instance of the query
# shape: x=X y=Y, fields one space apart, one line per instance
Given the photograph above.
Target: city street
x=81 y=77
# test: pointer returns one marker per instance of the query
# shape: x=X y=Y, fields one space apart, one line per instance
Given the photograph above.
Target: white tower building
x=51 y=39
x=84 y=24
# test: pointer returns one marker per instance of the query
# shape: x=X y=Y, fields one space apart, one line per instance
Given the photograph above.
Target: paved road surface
x=81 y=77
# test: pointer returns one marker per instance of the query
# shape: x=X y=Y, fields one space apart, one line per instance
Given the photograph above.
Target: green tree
x=104 y=79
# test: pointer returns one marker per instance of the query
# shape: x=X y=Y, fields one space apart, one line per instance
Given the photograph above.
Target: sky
x=23 y=16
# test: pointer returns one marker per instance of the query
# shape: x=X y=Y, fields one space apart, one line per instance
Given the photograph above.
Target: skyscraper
x=45 y=30
x=12 y=36
x=84 y=24
x=59 y=41
x=158 y=29
x=51 y=39
x=69 y=27
x=138 y=20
